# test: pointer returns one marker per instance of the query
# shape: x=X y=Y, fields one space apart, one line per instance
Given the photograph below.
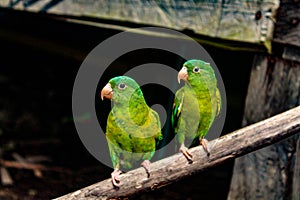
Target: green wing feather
x=219 y=101
x=177 y=106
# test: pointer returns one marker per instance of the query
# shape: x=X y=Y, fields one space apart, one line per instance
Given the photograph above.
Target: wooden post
x=270 y=173
x=273 y=172
x=176 y=167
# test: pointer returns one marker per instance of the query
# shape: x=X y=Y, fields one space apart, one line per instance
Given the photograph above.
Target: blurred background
x=42 y=48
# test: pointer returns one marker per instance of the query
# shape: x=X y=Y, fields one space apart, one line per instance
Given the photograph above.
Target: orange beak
x=107 y=92
x=183 y=75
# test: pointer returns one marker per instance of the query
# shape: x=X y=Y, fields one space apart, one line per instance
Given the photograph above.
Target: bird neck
x=135 y=109
x=138 y=110
x=201 y=90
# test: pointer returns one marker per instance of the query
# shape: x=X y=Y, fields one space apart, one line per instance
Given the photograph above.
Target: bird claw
x=114 y=177
x=187 y=154
x=204 y=143
x=146 y=165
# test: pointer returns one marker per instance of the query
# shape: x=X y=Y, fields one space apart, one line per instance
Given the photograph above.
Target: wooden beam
x=176 y=167
x=245 y=21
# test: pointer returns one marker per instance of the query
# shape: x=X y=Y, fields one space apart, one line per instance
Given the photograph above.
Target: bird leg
x=146 y=165
x=204 y=143
x=185 y=152
x=114 y=177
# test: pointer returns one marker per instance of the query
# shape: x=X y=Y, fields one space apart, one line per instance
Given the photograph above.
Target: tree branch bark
x=176 y=167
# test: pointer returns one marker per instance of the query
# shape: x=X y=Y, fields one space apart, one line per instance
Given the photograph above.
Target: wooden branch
x=32 y=166
x=37 y=172
x=6 y=179
x=176 y=167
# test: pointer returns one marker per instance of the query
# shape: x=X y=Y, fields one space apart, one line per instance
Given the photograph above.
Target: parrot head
x=194 y=71
x=121 y=89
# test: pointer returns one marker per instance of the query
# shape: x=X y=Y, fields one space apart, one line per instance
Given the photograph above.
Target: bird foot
x=204 y=143
x=146 y=165
x=185 y=152
x=114 y=177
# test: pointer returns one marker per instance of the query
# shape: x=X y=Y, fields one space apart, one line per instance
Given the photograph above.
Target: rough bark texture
x=287 y=26
x=269 y=173
x=176 y=167
x=296 y=179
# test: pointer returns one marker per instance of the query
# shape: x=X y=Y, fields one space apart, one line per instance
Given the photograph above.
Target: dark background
x=40 y=57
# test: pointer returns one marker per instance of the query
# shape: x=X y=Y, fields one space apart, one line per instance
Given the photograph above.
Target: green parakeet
x=133 y=129
x=196 y=105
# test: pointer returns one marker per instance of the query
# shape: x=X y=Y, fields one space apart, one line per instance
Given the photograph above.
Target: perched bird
x=196 y=105
x=133 y=129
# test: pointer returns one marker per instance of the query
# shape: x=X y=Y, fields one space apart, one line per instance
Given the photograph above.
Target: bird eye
x=196 y=70
x=122 y=86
